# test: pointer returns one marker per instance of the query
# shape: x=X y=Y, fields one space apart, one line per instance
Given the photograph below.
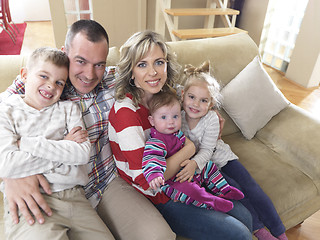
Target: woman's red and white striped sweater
x=129 y=129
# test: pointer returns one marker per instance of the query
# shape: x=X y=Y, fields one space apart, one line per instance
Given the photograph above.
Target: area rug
x=7 y=47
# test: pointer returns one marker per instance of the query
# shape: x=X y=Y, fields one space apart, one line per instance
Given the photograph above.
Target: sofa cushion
x=292 y=191
x=251 y=99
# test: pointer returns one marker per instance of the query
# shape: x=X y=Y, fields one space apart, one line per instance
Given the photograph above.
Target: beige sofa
x=284 y=156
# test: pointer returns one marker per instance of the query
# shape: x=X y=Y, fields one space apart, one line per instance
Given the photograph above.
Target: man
x=127 y=213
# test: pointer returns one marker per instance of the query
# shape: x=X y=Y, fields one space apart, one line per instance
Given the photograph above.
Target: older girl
x=201 y=124
x=146 y=67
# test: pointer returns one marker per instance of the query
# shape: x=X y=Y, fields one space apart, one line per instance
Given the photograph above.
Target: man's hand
x=77 y=135
x=23 y=194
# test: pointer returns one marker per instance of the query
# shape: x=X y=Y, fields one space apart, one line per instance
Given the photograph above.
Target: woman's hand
x=156 y=183
x=77 y=135
x=187 y=173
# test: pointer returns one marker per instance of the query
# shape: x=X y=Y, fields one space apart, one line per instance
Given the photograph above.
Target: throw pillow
x=251 y=99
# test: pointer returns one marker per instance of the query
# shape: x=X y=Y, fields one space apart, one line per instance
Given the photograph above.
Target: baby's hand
x=156 y=183
x=187 y=173
x=77 y=135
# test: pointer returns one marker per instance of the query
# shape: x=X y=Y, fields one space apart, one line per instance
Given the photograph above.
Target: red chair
x=8 y=14
x=4 y=21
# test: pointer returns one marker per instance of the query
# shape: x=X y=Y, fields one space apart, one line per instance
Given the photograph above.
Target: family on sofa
x=117 y=187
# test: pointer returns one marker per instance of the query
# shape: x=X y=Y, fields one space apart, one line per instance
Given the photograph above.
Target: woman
x=146 y=67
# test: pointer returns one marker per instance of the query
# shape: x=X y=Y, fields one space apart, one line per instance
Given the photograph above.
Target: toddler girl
x=167 y=139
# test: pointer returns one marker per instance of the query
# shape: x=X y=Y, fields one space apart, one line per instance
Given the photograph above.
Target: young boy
x=37 y=138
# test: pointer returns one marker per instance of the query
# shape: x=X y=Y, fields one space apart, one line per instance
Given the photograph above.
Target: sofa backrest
x=228 y=56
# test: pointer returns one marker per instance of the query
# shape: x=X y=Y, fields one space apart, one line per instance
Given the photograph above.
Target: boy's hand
x=77 y=135
x=156 y=183
x=187 y=173
x=23 y=194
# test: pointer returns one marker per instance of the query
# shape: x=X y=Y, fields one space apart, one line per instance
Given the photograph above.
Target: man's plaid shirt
x=95 y=107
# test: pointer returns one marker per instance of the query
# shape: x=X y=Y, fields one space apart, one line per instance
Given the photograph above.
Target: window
x=281 y=28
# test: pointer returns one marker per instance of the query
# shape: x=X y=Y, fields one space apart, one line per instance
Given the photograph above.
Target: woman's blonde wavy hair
x=131 y=52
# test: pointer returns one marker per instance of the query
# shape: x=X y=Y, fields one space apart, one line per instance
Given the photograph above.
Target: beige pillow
x=251 y=99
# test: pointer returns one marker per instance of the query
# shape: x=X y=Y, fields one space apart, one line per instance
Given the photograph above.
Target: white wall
x=315 y=77
x=304 y=60
x=29 y=10
x=252 y=18
x=121 y=18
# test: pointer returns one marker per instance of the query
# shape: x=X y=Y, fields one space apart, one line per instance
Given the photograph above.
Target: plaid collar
x=105 y=84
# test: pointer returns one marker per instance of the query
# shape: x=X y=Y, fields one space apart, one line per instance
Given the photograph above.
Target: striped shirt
x=129 y=130
x=205 y=138
x=161 y=146
x=95 y=107
x=158 y=148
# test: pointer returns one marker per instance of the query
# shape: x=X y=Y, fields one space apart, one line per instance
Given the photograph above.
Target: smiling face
x=167 y=119
x=87 y=62
x=44 y=84
x=150 y=73
x=197 y=101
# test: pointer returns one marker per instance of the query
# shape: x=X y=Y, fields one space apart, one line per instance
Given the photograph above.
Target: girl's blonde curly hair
x=195 y=75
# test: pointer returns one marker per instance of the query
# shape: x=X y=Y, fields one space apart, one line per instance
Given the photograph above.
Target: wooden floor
x=37 y=34
x=41 y=34
x=306 y=98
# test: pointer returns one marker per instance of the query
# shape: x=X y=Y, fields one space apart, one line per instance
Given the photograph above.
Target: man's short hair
x=92 y=29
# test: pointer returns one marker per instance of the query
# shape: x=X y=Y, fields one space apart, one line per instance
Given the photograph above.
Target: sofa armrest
x=10 y=66
x=295 y=135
